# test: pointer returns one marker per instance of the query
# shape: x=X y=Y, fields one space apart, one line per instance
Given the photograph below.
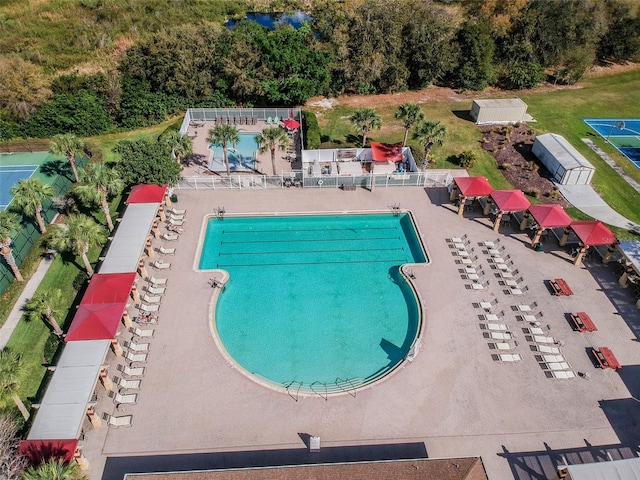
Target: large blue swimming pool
x=315 y=303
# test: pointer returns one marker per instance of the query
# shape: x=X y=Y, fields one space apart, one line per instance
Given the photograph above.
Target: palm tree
x=44 y=305
x=77 y=236
x=270 y=139
x=222 y=136
x=98 y=183
x=67 y=144
x=364 y=120
x=54 y=470
x=11 y=367
x=28 y=195
x=411 y=114
x=9 y=225
x=182 y=145
x=429 y=133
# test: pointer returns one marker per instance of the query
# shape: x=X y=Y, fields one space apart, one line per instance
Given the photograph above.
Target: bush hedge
x=311 y=130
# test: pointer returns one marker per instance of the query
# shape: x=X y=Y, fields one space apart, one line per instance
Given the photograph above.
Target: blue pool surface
x=315 y=300
x=241 y=156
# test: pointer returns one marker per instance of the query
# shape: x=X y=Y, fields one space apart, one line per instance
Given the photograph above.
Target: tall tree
x=98 y=183
x=410 y=114
x=45 y=305
x=180 y=144
x=429 y=133
x=223 y=136
x=475 y=57
x=54 y=470
x=28 y=195
x=11 y=368
x=364 y=120
x=12 y=463
x=77 y=235
x=69 y=145
x=146 y=162
x=271 y=139
x=9 y=225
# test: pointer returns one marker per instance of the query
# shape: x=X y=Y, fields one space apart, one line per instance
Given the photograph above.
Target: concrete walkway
x=585 y=198
x=612 y=164
x=18 y=309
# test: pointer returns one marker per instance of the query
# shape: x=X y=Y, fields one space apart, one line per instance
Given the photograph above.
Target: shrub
x=467 y=159
x=534 y=193
x=311 y=130
x=79 y=280
x=505 y=166
x=523 y=75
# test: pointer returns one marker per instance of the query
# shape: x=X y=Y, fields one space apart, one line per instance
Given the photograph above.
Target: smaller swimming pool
x=241 y=156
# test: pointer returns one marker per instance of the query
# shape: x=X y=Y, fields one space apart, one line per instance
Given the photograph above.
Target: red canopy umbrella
x=96 y=322
x=291 y=124
x=593 y=232
x=147 y=194
x=473 y=186
x=548 y=216
x=38 y=451
x=109 y=288
x=508 y=201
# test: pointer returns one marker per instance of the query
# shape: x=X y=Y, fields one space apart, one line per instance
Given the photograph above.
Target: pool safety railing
x=323 y=389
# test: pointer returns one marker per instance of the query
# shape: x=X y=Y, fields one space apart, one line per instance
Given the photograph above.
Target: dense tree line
x=355 y=46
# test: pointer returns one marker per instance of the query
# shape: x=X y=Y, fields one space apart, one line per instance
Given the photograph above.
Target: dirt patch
x=511 y=146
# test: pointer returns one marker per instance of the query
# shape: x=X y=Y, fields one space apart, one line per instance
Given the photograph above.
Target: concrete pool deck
x=195 y=410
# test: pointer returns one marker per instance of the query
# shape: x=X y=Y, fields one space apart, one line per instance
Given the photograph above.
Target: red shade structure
x=291 y=124
x=508 y=201
x=590 y=233
x=147 y=194
x=386 y=152
x=548 y=216
x=39 y=451
x=109 y=288
x=469 y=187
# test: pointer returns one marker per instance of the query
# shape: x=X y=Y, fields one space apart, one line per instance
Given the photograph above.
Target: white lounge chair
x=127 y=384
x=491 y=317
x=490 y=244
x=176 y=217
x=477 y=286
x=155 y=290
x=171 y=237
x=457 y=239
x=516 y=291
x=126 y=398
x=560 y=374
x=499 y=335
x=116 y=422
x=176 y=223
x=131 y=371
x=136 y=347
x=546 y=349
x=136 y=356
x=540 y=339
x=550 y=358
x=149 y=308
x=524 y=308
x=533 y=319
x=507 y=273
x=533 y=331
x=160 y=265
x=488 y=306
x=507 y=357
x=556 y=366
x=167 y=251
x=176 y=211
x=151 y=299
x=142 y=332
x=494 y=326
x=503 y=345
x=157 y=281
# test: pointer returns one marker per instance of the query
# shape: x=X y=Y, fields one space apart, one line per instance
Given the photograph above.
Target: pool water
x=315 y=300
x=241 y=156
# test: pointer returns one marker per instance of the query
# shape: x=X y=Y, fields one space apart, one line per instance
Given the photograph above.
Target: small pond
x=273 y=20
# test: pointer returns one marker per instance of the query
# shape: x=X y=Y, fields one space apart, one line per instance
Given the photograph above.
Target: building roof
x=550 y=216
x=631 y=251
x=593 y=232
x=501 y=103
x=421 y=469
x=147 y=194
x=473 y=186
x=128 y=245
x=563 y=151
x=625 y=469
x=386 y=152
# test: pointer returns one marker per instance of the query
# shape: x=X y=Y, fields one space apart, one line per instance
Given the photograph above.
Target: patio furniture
x=583 y=322
x=175 y=211
x=605 y=358
x=488 y=306
x=131 y=371
x=175 y=229
x=504 y=259
x=167 y=251
x=555 y=366
x=491 y=317
x=142 y=332
x=136 y=347
x=136 y=356
x=490 y=244
x=157 y=281
x=524 y=308
x=127 y=384
x=155 y=290
x=546 y=349
x=126 y=398
x=495 y=252
x=171 y=237
x=540 y=339
x=507 y=357
x=494 y=326
x=117 y=422
x=176 y=218
x=149 y=308
x=516 y=291
x=477 y=286
x=511 y=282
x=503 y=345
x=533 y=331
x=560 y=374
x=552 y=358
x=457 y=239
x=176 y=223
x=160 y=265
x=560 y=287
x=507 y=274
x=532 y=319
x=499 y=335
x=151 y=298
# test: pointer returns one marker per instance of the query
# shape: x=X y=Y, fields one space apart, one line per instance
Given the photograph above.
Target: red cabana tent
x=590 y=233
x=548 y=216
x=38 y=451
x=508 y=201
x=147 y=194
x=385 y=152
x=469 y=187
x=291 y=124
x=109 y=288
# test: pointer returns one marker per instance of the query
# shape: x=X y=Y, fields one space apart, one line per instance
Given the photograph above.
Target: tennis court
x=9 y=176
x=621 y=133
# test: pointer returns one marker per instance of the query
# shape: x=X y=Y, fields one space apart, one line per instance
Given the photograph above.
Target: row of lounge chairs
x=237 y=120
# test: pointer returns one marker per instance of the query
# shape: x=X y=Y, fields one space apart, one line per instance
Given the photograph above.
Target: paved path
x=585 y=198
x=18 y=309
x=612 y=164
